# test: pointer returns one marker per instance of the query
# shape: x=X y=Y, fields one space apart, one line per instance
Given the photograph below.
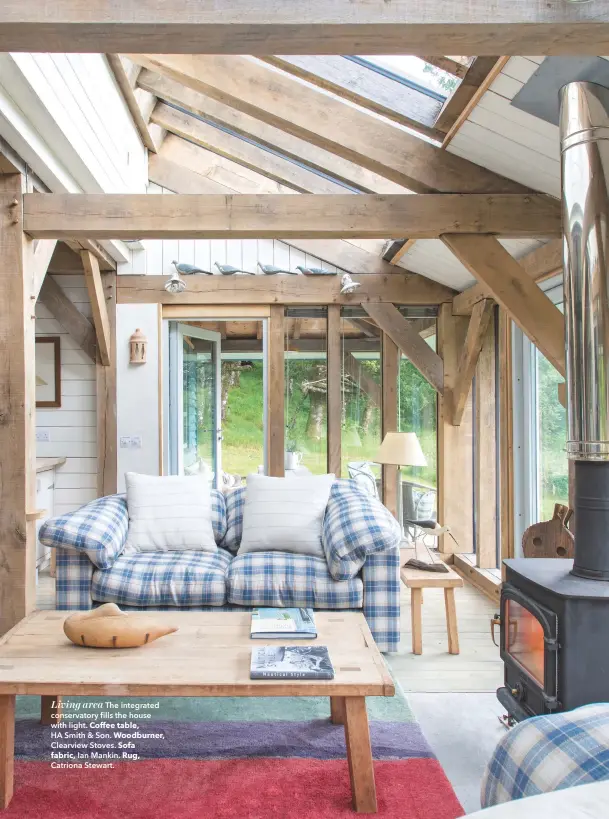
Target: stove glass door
x=525 y=640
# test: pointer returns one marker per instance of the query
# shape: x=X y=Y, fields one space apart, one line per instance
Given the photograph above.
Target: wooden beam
x=371 y=90
x=265 y=135
x=17 y=412
x=305 y=27
x=361 y=216
x=390 y=368
x=454 y=106
x=540 y=264
x=276 y=391
x=506 y=437
x=528 y=306
x=335 y=392
x=244 y=153
x=69 y=316
x=41 y=260
x=97 y=297
x=455 y=453
x=367 y=327
x=115 y=61
x=475 y=98
x=206 y=169
x=393 y=324
x=485 y=466
x=302 y=345
x=476 y=335
x=106 y=262
x=258 y=91
x=107 y=463
x=183 y=178
x=408 y=288
x=170 y=175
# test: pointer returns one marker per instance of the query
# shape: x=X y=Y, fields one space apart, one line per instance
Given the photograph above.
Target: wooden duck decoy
x=109 y=627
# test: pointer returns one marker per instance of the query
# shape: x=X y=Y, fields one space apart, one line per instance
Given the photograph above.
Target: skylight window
x=416 y=72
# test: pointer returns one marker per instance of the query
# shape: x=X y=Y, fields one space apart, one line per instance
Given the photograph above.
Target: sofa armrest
x=381 y=578
x=74 y=572
x=97 y=530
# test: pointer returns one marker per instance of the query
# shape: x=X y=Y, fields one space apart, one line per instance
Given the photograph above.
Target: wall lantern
x=138 y=344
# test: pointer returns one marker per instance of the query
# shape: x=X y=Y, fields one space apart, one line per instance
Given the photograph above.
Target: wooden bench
x=417 y=580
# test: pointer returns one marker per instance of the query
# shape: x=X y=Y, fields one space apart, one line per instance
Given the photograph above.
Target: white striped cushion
x=169 y=514
x=285 y=514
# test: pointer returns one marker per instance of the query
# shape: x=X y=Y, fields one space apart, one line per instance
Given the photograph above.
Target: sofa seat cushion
x=285 y=579
x=164 y=579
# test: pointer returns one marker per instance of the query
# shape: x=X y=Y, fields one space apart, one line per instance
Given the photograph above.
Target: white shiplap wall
x=431 y=258
x=73 y=426
x=507 y=140
x=75 y=105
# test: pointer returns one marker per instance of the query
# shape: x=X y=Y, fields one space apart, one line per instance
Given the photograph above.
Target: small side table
x=417 y=580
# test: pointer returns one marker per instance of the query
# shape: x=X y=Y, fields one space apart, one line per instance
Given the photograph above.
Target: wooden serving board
x=551 y=538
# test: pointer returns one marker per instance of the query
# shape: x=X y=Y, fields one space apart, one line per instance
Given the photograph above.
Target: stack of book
x=310 y=662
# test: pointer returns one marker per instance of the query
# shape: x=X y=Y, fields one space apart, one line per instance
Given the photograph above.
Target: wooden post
x=107 y=465
x=390 y=368
x=276 y=391
x=17 y=411
x=455 y=457
x=506 y=436
x=334 y=396
x=485 y=467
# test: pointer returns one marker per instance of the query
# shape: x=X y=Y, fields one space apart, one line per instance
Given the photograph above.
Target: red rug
x=219 y=758
x=230 y=789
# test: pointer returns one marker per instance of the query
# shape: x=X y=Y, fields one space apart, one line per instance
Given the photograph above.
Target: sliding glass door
x=195 y=396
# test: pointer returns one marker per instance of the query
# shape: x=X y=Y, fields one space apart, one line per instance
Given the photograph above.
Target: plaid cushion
x=549 y=753
x=286 y=579
x=235 y=503
x=164 y=579
x=98 y=529
x=355 y=526
x=218 y=515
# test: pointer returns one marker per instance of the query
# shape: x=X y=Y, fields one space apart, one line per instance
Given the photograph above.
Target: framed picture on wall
x=48 y=371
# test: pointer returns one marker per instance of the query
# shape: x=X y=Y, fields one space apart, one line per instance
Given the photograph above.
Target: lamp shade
x=401 y=449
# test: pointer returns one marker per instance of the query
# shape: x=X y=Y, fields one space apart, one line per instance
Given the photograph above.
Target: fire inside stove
x=525 y=640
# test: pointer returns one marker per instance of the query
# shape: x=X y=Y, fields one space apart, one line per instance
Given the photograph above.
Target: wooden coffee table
x=208 y=657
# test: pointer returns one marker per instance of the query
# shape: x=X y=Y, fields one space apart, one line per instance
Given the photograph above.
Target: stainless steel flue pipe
x=584 y=132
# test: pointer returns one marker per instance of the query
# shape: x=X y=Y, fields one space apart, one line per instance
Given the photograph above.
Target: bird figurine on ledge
x=189 y=269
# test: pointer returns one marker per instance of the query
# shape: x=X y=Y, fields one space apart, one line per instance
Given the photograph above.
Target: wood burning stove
x=554 y=638
x=555 y=612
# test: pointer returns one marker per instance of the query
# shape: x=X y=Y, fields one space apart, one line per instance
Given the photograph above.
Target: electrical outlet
x=131 y=441
x=43 y=435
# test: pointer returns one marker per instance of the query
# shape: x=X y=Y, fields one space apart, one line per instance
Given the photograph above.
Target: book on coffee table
x=277 y=624
x=291 y=663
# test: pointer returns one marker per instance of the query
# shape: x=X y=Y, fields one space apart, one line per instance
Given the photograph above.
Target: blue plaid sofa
x=361 y=569
x=549 y=753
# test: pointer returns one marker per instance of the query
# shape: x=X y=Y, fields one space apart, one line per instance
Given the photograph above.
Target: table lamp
x=400 y=449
